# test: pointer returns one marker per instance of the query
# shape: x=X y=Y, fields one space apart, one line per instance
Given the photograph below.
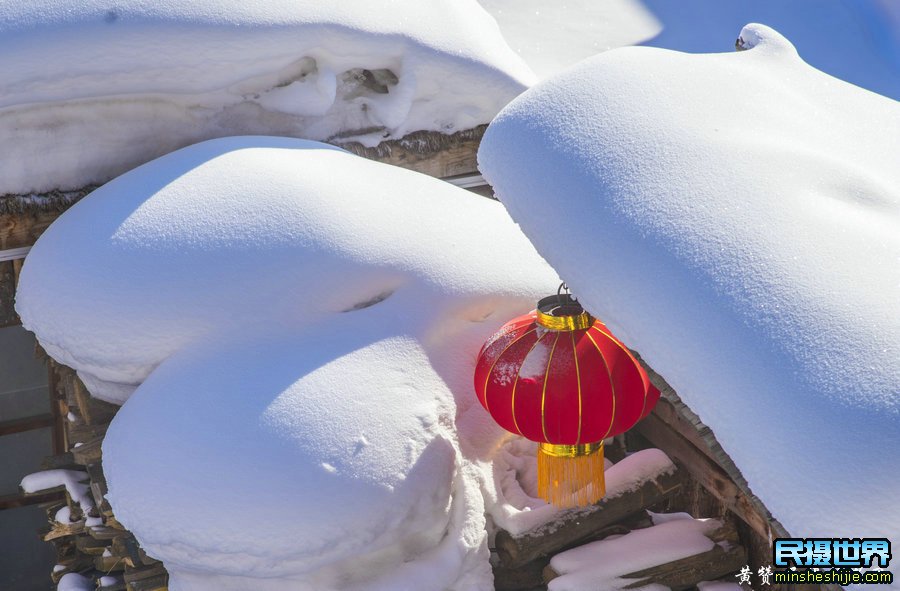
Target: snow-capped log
x=676 y=552
x=639 y=481
x=91 y=89
x=736 y=219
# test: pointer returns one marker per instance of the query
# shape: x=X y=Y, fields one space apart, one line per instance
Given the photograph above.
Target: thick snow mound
x=142 y=79
x=250 y=231
x=308 y=454
x=856 y=41
x=298 y=327
x=735 y=218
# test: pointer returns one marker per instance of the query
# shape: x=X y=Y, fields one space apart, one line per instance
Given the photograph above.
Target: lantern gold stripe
x=612 y=386
x=544 y=389
x=578 y=381
x=634 y=362
x=487 y=404
x=516 y=382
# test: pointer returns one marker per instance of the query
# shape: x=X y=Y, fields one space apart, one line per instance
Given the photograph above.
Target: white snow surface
x=141 y=79
x=602 y=564
x=517 y=507
x=736 y=219
x=293 y=331
x=854 y=40
x=73 y=480
x=75 y=582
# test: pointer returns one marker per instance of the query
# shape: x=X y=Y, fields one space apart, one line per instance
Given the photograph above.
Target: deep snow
x=736 y=219
x=92 y=89
x=302 y=325
x=854 y=40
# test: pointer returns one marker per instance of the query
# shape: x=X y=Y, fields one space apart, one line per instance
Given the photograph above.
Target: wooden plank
x=81 y=432
x=23 y=500
x=23 y=229
x=574 y=527
x=726 y=556
x=109 y=564
x=93 y=411
x=8 y=316
x=26 y=424
x=707 y=472
x=58 y=407
x=89 y=452
x=127 y=547
x=60 y=461
x=73 y=564
x=90 y=546
x=148 y=578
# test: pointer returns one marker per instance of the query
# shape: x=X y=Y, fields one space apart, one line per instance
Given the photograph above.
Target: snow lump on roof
x=293 y=331
x=736 y=219
x=92 y=89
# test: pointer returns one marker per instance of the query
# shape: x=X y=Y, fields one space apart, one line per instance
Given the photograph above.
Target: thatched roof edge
x=51 y=201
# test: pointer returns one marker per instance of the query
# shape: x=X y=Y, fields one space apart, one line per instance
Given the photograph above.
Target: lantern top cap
x=562 y=312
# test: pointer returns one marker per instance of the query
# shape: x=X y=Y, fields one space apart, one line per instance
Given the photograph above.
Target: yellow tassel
x=571 y=475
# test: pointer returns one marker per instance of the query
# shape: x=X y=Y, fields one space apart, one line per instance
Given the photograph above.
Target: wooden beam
x=707 y=472
x=725 y=557
x=574 y=527
x=8 y=316
x=23 y=500
x=26 y=424
x=23 y=229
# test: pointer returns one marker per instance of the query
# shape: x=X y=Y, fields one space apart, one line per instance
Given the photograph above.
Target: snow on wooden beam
x=576 y=526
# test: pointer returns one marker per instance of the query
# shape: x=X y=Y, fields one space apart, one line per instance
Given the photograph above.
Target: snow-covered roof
x=855 y=41
x=736 y=219
x=92 y=89
x=294 y=329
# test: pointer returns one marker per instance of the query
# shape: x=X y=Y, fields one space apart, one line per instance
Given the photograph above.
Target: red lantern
x=559 y=377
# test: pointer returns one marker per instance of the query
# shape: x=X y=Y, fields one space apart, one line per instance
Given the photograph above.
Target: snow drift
x=142 y=79
x=293 y=330
x=855 y=41
x=735 y=218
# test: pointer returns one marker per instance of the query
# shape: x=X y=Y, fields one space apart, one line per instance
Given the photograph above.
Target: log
x=520 y=578
x=92 y=410
x=726 y=557
x=574 y=527
x=88 y=453
x=530 y=576
x=148 y=578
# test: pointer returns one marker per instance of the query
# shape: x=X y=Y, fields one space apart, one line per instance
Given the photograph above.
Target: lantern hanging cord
x=559 y=293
